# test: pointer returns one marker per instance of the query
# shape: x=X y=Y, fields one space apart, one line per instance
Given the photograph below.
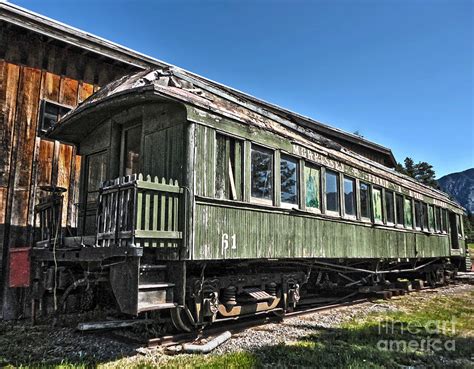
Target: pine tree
x=423 y=172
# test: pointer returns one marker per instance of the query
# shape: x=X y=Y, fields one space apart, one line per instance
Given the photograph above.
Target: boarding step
x=155 y=296
x=142 y=307
x=258 y=294
x=150 y=273
x=154 y=286
x=150 y=267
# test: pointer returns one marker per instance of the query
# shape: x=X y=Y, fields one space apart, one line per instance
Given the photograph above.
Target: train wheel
x=181 y=321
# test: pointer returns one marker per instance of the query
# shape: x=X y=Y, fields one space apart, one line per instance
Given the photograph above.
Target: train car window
x=444 y=215
x=312 y=178
x=229 y=168
x=262 y=174
x=418 y=215
x=332 y=191
x=399 y=207
x=390 y=209
x=96 y=169
x=131 y=156
x=431 y=218
x=377 y=204
x=438 y=219
x=424 y=215
x=408 y=214
x=364 y=200
x=289 y=180
x=458 y=223
x=349 y=196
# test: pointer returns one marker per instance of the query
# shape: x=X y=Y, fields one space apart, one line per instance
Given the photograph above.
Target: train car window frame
x=312 y=185
x=367 y=217
x=399 y=211
x=377 y=206
x=418 y=215
x=337 y=196
x=349 y=180
x=431 y=218
x=389 y=207
x=459 y=225
x=445 y=221
x=424 y=216
x=296 y=185
x=124 y=149
x=408 y=213
x=437 y=211
x=229 y=168
x=94 y=161
x=269 y=199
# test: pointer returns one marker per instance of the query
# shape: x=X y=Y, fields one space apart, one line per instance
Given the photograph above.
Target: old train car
x=204 y=204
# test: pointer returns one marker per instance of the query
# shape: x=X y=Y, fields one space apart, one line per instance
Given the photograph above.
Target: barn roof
x=50 y=28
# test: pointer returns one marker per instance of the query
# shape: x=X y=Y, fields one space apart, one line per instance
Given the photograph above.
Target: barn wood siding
x=27 y=160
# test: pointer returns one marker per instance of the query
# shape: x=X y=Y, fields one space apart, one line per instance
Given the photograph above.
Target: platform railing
x=142 y=212
x=48 y=215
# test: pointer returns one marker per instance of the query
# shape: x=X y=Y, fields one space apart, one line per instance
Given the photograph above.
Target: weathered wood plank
x=9 y=78
x=68 y=91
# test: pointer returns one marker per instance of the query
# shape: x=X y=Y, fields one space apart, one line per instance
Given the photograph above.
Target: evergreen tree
x=423 y=172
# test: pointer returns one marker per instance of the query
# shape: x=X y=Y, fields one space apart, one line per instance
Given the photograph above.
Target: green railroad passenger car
x=210 y=204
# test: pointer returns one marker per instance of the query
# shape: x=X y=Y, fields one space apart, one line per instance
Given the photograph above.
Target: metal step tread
x=148 y=306
x=148 y=286
x=149 y=267
x=258 y=294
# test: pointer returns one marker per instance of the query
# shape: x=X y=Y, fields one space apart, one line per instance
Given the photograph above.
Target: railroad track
x=239 y=325
x=244 y=324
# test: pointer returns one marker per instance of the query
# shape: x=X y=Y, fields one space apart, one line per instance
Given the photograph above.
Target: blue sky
x=399 y=72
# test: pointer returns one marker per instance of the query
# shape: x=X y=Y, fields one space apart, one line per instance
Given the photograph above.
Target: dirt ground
x=22 y=344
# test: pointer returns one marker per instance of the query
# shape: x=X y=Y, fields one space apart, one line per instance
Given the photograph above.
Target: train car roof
x=175 y=85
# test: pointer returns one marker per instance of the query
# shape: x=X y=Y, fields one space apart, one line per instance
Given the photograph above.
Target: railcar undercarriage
x=203 y=293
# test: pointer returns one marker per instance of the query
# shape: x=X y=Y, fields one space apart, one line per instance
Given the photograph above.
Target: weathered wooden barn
x=46 y=69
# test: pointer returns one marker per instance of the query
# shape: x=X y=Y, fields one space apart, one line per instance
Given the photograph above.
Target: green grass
x=355 y=344
x=471 y=247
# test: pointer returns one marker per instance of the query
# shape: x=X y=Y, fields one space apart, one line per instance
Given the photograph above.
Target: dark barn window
x=399 y=207
x=389 y=207
x=312 y=181
x=349 y=196
x=364 y=200
x=289 y=180
x=262 y=173
x=50 y=113
x=229 y=153
x=332 y=191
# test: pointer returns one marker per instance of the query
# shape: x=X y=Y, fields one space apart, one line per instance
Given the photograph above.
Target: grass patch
x=363 y=342
x=357 y=344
